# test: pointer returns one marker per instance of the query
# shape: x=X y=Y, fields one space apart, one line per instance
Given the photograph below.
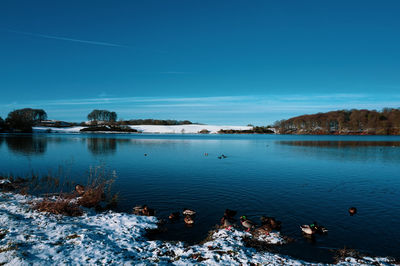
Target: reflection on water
x=26 y=144
x=102 y=145
x=340 y=144
x=356 y=151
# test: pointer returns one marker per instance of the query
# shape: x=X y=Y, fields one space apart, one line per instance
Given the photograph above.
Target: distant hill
x=344 y=122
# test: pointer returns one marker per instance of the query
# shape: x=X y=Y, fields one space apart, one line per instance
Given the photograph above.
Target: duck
x=262 y=230
x=352 y=211
x=188 y=220
x=226 y=222
x=248 y=224
x=143 y=210
x=308 y=229
x=174 y=216
x=147 y=211
x=137 y=210
x=313 y=228
x=271 y=222
x=80 y=189
x=188 y=212
x=224 y=156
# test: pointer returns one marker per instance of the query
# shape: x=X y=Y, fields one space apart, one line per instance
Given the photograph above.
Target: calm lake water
x=297 y=179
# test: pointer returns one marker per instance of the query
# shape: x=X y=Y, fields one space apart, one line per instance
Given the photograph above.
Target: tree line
x=102 y=115
x=111 y=117
x=356 y=122
x=155 y=122
x=22 y=120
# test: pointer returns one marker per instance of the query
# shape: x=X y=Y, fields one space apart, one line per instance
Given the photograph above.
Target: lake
x=297 y=179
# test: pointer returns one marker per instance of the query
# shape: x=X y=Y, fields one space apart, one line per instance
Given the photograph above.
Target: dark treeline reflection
x=103 y=146
x=27 y=145
x=99 y=146
x=361 y=151
x=339 y=144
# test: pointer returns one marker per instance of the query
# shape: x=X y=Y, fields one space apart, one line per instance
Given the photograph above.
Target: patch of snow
x=58 y=129
x=272 y=238
x=185 y=129
x=28 y=237
x=178 y=129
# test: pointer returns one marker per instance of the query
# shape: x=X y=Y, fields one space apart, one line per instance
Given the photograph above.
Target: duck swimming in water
x=174 y=216
x=313 y=228
x=352 y=211
x=188 y=220
x=246 y=223
x=188 y=212
x=147 y=211
x=308 y=229
x=271 y=222
x=189 y=216
x=143 y=210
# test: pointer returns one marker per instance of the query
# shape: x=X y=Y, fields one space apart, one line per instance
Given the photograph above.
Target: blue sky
x=217 y=62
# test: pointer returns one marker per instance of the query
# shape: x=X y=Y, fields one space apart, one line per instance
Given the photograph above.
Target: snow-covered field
x=185 y=129
x=28 y=237
x=58 y=130
x=179 y=129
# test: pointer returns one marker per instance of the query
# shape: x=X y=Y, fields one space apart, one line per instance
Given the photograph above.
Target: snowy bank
x=185 y=129
x=58 y=129
x=154 y=129
x=29 y=237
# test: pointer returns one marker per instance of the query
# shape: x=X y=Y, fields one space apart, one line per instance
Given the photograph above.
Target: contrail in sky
x=68 y=39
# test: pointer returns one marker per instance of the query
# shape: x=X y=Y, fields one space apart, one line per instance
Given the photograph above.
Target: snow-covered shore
x=154 y=129
x=28 y=237
x=185 y=129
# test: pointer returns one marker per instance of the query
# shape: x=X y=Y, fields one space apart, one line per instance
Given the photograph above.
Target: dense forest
x=344 y=122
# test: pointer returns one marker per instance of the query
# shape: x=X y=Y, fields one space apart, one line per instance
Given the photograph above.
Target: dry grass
x=97 y=192
x=59 y=206
x=343 y=253
x=15 y=184
x=92 y=196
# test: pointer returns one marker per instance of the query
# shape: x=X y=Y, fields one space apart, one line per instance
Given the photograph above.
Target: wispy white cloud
x=232 y=109
x=62 y=38
x=125 y=100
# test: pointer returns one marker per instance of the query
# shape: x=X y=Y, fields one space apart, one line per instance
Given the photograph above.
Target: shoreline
x=28 y=236
x=191 y=129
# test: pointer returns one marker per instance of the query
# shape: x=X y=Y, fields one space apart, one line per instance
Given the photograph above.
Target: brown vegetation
x=254 y=130
x=60 y=206
x=204 y=131
x=97 y=194
x=344 y=122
